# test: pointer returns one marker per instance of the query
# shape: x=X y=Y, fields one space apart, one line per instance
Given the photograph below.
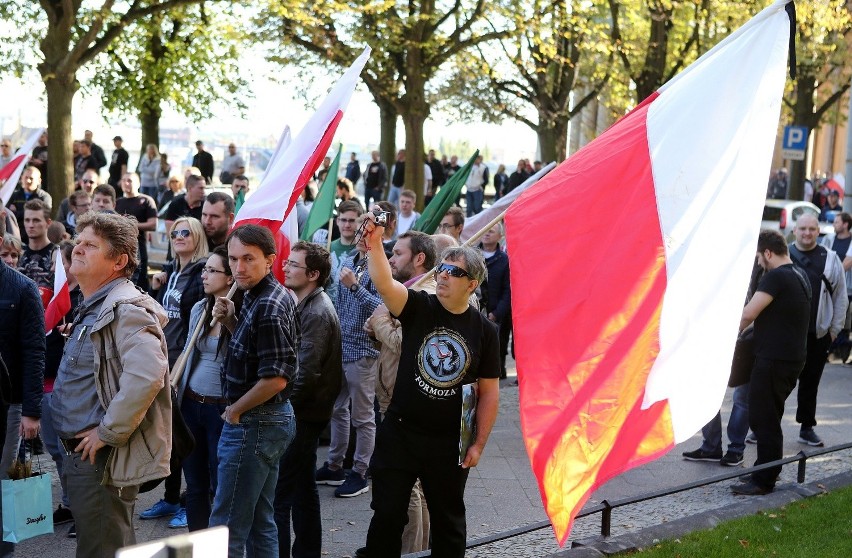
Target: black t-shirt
x=119 y=157
x=812 y=263
x=841 y=246
x=780 y=331
x=38 y=265
x=143 y=208
x=440 y=352
x=179 y=208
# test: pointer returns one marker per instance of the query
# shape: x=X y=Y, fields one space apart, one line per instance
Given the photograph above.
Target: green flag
x=437 y=208
x=323 y=207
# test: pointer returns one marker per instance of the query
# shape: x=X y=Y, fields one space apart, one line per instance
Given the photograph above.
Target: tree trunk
x=414 y=146
x=149 y=119
x=553 y=138
x=60 y=96
x=803 y=115
x=654 y=68
x=387 y=143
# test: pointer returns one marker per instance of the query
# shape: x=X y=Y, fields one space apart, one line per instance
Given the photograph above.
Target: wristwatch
x=354 y=287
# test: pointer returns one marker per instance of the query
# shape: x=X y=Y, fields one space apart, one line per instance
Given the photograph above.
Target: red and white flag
x=627 y=316
x=289 y=172
x=60 y=303
x=10 y=173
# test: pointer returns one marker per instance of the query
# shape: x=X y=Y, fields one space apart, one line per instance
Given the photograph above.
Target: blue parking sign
x=795 y=138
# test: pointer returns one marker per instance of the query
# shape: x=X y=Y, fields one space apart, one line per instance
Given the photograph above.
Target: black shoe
x=72 y=532
x=62 y=515
x=701 y=455
x=361 y=552
x=809 y=437
x=732 y=459
x=750 y=489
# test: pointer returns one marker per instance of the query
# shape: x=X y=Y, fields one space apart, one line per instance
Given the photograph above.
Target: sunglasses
x=452 y=270
x=182 y=233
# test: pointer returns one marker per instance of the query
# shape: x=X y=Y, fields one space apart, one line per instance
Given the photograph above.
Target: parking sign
x=794 y=143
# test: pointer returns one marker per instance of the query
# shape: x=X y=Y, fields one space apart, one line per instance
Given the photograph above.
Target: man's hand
x=90 y=445
x=373 y=232
x=472 y=456
x=348 y=277
x=224 y=312
x=29 y=427
x=230 y=416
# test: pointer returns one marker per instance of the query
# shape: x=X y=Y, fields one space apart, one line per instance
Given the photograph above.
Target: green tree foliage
x=557 y=60
x=658 y=38
x=59 y=37
x=410 y=41
x=185 y=58
x=823 y=69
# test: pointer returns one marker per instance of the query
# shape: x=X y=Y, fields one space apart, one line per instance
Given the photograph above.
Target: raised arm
x=393 y=293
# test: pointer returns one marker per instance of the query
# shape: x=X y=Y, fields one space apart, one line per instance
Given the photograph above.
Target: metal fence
x=606 y=506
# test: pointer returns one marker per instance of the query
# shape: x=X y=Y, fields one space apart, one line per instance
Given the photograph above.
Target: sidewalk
x=502 y=493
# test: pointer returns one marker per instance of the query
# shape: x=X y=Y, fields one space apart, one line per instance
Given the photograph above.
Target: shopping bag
x=27 y=507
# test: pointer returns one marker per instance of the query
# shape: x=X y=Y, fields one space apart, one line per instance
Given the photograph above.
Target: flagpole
x=328 y=240
x=180 y=363
x=470 y=241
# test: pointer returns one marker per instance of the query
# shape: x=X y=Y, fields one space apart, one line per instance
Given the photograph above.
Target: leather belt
x=205 y=398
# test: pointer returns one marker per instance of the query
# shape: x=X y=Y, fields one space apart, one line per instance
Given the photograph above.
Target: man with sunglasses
x=445 y=344
x=87 y=183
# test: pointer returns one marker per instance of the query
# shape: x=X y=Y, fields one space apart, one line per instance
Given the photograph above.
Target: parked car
x=783 y=214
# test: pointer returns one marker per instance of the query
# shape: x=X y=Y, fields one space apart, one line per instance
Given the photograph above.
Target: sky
x=274 y=105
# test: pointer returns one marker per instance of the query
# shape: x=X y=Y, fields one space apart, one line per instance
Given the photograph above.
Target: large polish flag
x=60 y=303
x=294 y=164
x=630 y=265
x=11 y=172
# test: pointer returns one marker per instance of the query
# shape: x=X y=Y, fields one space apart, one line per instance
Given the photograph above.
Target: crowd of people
x=376 y=330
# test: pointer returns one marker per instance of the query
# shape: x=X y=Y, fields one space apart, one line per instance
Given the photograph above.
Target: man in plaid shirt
x=356 y=300
x=259 y=421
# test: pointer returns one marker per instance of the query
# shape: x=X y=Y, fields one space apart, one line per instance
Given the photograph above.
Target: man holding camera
x=445 y=344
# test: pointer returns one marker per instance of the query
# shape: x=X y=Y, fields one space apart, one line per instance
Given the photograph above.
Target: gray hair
x=472 y=258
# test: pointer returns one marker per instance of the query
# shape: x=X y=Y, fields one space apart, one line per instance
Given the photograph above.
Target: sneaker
x=354 y=485
x=701 y=455
x=751 y=438
x=732 y=459
x=809 y=437
x=179 y=520
x=325 y=475
x=750 y=489
x=62 y=515
x=72 y=532
x=160 y=509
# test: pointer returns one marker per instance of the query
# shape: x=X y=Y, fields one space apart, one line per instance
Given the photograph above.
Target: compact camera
x=381 y=217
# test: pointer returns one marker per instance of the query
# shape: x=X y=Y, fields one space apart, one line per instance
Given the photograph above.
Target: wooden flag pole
x=469 y=242
x=328 y=240
x=180 y=363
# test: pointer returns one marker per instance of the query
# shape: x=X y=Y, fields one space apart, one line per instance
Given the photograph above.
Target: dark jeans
x=205 y=422
x=809 y=379
x=297 y=491
x=771 y=384
x=401 y=457
x=371 y=195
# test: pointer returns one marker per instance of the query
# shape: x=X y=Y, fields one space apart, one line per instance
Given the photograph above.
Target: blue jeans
x=51 y=443
x=296 y=494
x=205 y=422
x=474 y=202
x=393 y=195
x=737 y=425
x=249 y=454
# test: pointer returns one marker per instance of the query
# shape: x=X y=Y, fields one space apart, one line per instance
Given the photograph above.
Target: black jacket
x=204 y=162
x=497 y=292
x=320 y=374
x=193 y=293
x=22 y=343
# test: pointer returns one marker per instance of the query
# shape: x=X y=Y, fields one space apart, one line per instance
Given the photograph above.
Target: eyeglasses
x=209 y=270
x=452 y=270
x=290 y=263
x=183 y=233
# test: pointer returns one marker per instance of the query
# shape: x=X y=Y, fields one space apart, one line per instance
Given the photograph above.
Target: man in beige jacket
x=111 y=404
x=413 y=256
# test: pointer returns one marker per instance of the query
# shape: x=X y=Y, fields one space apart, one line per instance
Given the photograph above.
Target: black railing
x=605 y=507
